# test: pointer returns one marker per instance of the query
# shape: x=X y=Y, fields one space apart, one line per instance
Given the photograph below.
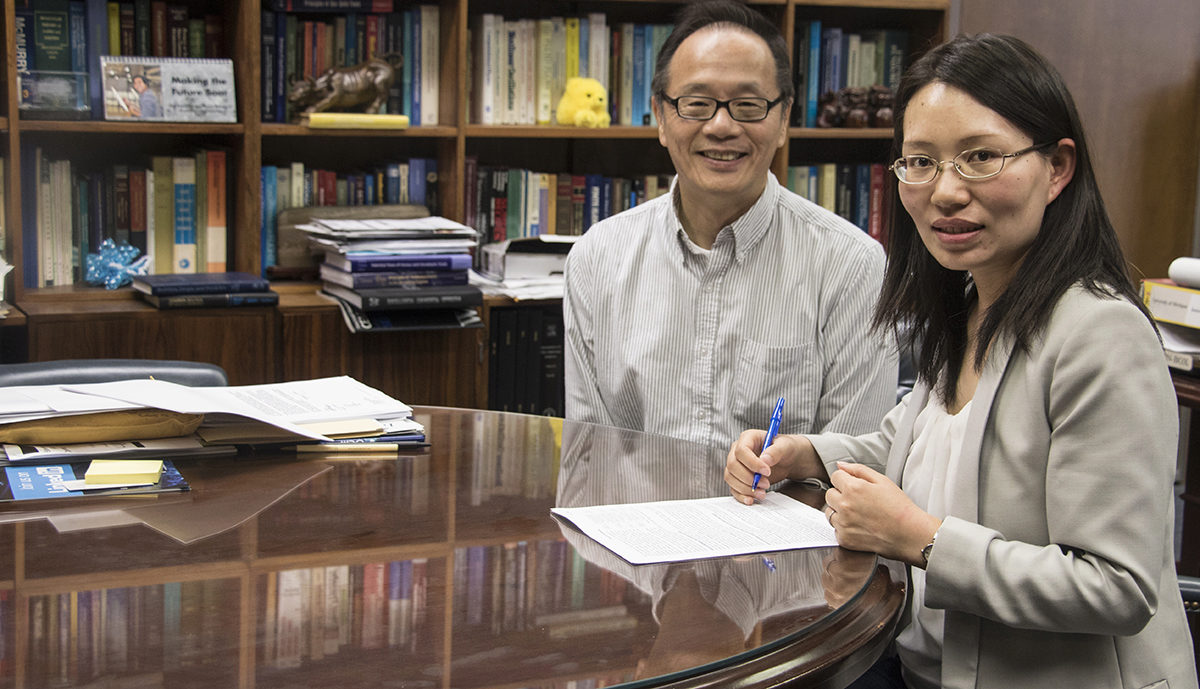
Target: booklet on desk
x=46 y=482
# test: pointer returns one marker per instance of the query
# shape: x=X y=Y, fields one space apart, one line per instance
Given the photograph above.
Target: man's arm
x=860 y=364
x=583 y=399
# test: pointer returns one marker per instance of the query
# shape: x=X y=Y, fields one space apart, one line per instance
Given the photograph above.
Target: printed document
x=675 y=530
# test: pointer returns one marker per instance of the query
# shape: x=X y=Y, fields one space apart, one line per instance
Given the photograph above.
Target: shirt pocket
x=765 y=373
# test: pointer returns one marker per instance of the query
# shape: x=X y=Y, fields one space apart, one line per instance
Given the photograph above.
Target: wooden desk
x=441 y=568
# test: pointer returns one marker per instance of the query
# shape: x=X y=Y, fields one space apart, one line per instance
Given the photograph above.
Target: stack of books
x=175 y=290
x=1176 y=309
x=398 y=274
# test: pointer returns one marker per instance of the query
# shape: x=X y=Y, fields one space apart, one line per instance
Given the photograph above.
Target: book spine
x=572 y=35
x=137 y=208
x=419 y=300
x=267 y=232
x=183 y=170
x=545 y=70
x=158 y=28
x=270 y=57
x=201 y=213
x=1172 y=303
x=51 y=36
x=216 y=216
x=395 y=263
x=179 y=301
x=407 y=279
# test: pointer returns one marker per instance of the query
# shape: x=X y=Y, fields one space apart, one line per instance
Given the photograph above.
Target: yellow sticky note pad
x=106 y=471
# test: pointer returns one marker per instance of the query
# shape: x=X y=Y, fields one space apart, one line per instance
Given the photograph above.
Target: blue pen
x=772 y=431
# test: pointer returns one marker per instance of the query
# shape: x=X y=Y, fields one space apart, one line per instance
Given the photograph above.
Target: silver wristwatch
x=928 y=549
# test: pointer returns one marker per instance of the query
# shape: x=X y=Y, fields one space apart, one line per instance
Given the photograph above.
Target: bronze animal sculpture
x=347 y=87
x=856 y=107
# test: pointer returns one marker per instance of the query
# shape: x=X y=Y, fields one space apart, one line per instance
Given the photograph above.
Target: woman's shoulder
x=1101 y=314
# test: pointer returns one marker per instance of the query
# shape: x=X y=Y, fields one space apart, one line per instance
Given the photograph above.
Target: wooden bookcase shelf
x=305 y=336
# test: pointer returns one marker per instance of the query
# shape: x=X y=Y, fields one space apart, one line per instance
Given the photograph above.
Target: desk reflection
x=712 y=610
x=441 y=567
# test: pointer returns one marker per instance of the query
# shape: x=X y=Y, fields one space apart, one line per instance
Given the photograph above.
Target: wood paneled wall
x=1134 y=69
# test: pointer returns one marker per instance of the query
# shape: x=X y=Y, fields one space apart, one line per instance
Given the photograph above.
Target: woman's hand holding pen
x=789 y=456
x=869 y=512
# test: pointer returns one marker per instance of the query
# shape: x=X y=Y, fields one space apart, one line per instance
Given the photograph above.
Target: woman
x=1028 y=477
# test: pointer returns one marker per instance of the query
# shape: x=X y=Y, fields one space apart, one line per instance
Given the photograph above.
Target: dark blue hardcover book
x=45 y=482
x=199 y=283
x=97 y=45
x=862 y=195
x=362 y=263
x=29 y=222
x=219 y=299
x=270 y=60
x=402 y=278
x=281 y=68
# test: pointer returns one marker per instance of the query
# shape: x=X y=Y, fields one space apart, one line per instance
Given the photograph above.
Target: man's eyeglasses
x=704 y=108
x=974 y=163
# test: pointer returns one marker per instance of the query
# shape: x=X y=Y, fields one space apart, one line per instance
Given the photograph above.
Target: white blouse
x=932 y=465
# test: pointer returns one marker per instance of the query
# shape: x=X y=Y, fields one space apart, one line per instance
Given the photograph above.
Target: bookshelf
x=304 y=336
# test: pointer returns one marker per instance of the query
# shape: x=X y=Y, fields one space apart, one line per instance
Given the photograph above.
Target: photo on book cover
x=168 y=89
x=52 y=481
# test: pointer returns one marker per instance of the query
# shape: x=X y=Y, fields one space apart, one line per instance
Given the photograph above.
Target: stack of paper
x=299 y=411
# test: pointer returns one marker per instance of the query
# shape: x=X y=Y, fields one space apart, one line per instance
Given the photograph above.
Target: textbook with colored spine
x=199 y=283
x=376 y=262
x=220 y=299
x=396 y=298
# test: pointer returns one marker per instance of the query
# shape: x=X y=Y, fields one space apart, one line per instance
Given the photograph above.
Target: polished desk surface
x=439 y=568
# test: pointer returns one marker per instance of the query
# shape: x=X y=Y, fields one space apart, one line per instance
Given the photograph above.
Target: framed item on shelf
x=168 y=89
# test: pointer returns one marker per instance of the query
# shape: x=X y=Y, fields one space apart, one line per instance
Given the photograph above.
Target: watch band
x=928 y=549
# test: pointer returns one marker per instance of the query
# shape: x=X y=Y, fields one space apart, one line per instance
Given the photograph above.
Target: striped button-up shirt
x=665 y=337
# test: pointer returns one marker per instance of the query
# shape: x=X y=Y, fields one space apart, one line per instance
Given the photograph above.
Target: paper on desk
x=284 y=405
x=1179 y=338
x=188 y=445
x=675 y=530
x=33 y=402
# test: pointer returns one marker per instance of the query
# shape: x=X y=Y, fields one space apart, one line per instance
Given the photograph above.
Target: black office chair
x=1189 y=587
x=78 y=371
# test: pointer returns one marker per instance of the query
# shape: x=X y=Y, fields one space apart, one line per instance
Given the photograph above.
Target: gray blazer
x=1057 y=570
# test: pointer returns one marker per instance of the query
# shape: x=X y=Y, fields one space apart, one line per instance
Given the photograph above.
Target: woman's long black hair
x=1076 y=242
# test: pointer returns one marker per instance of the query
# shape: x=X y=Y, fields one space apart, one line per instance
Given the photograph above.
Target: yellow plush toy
x=584 y=104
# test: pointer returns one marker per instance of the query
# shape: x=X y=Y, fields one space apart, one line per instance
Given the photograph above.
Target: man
x=690 y=315
x=147 y=102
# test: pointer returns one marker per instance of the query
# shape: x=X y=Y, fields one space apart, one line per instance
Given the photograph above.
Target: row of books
x=403 y=484
x=312 y=613
x=525 y=361
x=80 y=636
x=60 y=37
x=404 y=181
x=521 y=66
x=543 y=584
x=499 y=471
x=854 y=191
x=174 y=210
x=830 y=58
x=300 y=46
x=411 y=181
x=508 y=203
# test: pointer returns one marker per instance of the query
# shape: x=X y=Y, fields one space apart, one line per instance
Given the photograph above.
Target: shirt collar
x=747 y=230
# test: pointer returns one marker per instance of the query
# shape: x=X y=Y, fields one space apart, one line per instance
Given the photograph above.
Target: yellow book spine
x=572 y=24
